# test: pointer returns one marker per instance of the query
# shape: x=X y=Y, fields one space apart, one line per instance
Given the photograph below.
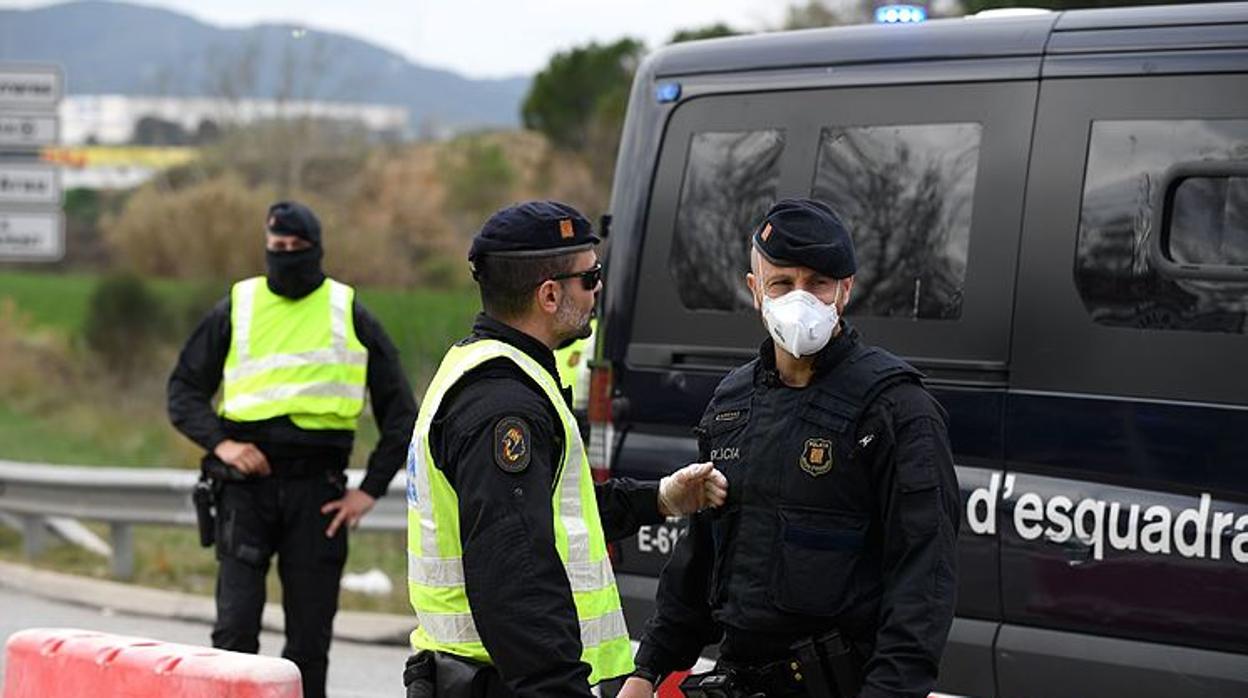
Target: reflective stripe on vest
x=435 y=554
x=297 y=358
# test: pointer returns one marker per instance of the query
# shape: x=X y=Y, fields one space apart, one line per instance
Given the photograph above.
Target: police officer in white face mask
x=830 y=571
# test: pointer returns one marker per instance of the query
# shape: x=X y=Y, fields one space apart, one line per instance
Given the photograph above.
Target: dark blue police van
x=1051 y=218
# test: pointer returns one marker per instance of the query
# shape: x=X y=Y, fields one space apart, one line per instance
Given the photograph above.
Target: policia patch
x=511 y=444
x=816 y=457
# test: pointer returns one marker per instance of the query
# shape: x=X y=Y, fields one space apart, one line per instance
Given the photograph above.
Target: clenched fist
x=691 y=489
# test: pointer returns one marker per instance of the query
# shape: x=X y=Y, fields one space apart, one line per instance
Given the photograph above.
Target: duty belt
x=294 y=468
x=821 y=667
x=779 y=678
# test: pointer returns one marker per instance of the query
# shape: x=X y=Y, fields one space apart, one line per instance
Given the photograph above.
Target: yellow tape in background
x=153 y=157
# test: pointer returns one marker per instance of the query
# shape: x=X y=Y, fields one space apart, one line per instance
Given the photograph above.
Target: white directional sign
x=29 y=184
x=32 y=227
x=29 y=86
x=27 y=130
x=32 y=236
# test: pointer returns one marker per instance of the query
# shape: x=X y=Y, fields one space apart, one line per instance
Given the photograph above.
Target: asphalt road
x=355 y=670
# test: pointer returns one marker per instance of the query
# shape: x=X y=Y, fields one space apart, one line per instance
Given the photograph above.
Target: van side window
x=1113 y=271
x=906 y=193
x=1209 y=221
x=730 y=180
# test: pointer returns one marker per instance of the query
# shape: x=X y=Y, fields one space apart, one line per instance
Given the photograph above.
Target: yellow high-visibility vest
x=435 y=552
x=573 y=364
x=298 y=358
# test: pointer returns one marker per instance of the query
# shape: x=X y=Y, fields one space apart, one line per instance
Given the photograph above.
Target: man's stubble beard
x=572 y=325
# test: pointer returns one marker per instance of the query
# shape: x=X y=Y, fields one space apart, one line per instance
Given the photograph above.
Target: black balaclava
x=294 y=274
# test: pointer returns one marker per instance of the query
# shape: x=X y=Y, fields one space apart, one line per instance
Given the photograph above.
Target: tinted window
x=906 y=193
x=730 y=180
x=1113 y=272
x=1209 y=221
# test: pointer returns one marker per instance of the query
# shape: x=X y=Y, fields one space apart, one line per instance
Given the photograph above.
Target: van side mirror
x=1200 y=222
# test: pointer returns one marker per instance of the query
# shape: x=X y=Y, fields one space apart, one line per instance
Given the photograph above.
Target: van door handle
x=620 y=409
x=1077 y=552
x=674 y=380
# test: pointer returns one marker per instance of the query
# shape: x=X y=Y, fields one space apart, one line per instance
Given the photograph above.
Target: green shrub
x=478 y=176
x=125 y=321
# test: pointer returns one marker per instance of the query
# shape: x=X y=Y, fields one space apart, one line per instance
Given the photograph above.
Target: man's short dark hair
x=507 y=283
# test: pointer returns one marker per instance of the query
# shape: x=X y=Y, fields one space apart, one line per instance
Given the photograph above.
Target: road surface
x=355 y=670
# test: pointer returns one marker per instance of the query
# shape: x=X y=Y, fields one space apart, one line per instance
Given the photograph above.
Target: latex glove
x=692 y=489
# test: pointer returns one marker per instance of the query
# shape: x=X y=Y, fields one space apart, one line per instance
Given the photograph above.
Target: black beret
x=805 y=232
x=293 y=218
x=533 y=229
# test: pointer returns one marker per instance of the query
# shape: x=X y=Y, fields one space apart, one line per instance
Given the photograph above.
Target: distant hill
x=118 y=48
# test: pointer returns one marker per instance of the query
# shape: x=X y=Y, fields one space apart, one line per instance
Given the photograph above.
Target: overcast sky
x=482 y=38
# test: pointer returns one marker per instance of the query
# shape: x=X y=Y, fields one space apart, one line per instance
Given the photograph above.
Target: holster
x=843 y=663
x=212 y=472
x=204 y=497
x=829 y=666
x=439 y=675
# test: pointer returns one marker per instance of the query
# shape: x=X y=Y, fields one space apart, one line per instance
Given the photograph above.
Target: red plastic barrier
x=53 y=662
x=670 y=688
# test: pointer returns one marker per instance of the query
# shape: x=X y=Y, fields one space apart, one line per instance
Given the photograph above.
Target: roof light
x=900 y=14
x=667 y=92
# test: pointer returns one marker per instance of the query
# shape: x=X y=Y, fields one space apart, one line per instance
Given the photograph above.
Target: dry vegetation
x=404 y=218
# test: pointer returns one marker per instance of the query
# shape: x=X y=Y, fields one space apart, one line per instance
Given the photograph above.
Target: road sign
x=27 y=130
x=29 y=184
x=30 y=86
x=32 y=236
x=32 y=227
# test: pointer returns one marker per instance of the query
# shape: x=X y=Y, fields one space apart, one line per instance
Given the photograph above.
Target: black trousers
x=265 y=516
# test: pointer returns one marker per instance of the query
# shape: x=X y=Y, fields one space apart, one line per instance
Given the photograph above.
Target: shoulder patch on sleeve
x=512 y=438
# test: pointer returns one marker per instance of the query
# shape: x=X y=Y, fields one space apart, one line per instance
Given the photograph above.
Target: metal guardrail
x=125 y=497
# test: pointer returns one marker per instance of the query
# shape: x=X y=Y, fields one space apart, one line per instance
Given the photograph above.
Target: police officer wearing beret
x=293 y=353
x=830 y=570
x=507 y=535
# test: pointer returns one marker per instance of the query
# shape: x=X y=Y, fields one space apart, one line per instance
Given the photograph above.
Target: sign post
x=32 y=224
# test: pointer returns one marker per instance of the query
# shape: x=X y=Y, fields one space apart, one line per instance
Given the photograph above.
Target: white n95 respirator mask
x=799 y=322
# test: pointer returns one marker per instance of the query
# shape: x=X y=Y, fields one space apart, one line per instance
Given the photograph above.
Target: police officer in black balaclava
x=293 y=373
x=293 y=251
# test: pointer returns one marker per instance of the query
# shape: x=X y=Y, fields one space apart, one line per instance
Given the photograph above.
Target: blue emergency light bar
x=900 y=14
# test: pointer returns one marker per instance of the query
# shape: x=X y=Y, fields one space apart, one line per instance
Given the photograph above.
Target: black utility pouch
x=843 y=663
x=440 y=675
x=420 y=676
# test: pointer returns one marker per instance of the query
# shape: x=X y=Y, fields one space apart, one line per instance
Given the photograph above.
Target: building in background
x=118 y=142
x=114 y=119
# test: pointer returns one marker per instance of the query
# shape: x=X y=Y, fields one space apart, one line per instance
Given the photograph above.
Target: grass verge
x=172 y=559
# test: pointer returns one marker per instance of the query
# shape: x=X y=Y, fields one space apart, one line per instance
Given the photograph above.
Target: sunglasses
x=589 y=278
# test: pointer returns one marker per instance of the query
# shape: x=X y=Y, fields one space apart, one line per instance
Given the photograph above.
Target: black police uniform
x=517 y=586
x=260 y=516
x=516 y=583
x=842 y=515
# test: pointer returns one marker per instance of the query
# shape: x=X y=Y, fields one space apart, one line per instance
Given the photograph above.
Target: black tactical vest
x=794 y=543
